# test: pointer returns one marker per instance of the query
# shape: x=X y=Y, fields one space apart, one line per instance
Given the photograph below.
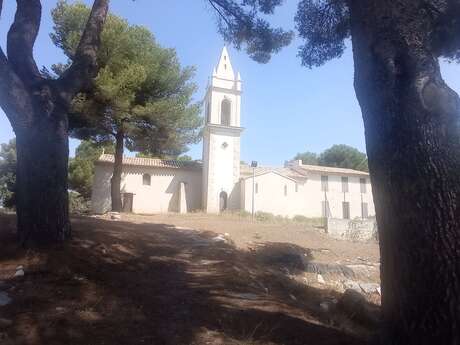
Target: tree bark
x=412 y=137
x=37 y=110
x=115 y=183
x=41 y=183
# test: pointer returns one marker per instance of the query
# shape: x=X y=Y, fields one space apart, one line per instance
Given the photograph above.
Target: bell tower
x=221 y=138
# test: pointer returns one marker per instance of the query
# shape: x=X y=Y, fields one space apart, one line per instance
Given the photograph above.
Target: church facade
x=221 y=182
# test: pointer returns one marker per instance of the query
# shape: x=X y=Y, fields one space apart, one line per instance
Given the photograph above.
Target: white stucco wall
x=270 y=195
x=222 y=165
x=163 y=195
x=307 y=201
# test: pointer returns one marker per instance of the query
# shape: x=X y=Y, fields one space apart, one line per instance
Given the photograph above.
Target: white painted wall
x=307 y=201
x=221 y=144
x=270 y=195
x=163 y=195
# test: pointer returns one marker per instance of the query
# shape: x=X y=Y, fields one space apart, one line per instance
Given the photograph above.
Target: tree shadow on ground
x=126 y=283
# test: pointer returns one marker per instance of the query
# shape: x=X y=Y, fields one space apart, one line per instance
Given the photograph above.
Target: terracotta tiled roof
x=246 y=171
x=305 y=169
x=152 y=162
x=299 y=172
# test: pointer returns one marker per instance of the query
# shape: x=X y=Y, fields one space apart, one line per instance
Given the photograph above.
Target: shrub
x=77 y=204
x=264 y=216
x=300 y=219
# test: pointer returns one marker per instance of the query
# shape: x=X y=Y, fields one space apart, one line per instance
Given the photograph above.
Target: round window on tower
x=224 y=145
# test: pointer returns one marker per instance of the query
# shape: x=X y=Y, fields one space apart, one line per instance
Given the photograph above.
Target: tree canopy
x=8 y=174
x=340 y=156
x=81 y=167
x=307 y=157
x=140 y=90
x=141 y=98
x=243 y=22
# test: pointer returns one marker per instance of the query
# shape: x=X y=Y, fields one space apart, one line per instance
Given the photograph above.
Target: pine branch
x=84 y=67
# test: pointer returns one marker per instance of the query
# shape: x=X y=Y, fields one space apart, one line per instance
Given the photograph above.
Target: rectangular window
x=324 y=183
x=362 y=182
x=296 y=187
x=364 y=210
x=325 y=209
x=285 y=190
x=345 y=184
x=257 y=188
x=346 y=210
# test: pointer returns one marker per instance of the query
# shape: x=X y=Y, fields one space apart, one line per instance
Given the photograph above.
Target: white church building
x=221 y=182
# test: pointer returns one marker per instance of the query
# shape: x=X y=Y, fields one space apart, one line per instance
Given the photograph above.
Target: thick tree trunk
x=41 y=184
x=412 y=137
x=115 y=185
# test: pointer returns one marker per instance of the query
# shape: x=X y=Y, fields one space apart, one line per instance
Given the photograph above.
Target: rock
x=356 y=307
x=227 y=234
x=352 y=285
x=321 y=279
x=20 y=267
x=115 y=216
x=219 y=238
x=325 y=306
x=5 y=323
x=370 y=288
x=19 y=273
x=4 y=299
x=60 y=309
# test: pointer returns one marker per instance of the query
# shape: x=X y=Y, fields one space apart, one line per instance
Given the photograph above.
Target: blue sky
x=286 y=108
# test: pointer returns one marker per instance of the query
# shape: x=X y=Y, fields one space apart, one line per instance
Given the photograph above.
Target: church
x=220 y=182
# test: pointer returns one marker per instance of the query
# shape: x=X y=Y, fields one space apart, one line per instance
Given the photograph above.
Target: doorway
x=128 y=202
x=222 y=201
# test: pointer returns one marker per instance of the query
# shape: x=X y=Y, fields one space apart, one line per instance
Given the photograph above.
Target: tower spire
x=224 y=67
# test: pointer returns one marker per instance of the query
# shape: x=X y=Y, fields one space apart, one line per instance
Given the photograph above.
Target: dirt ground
x=173 y=280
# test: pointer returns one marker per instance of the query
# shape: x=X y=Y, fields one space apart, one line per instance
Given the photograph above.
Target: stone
x=19 y=273
x=325 y=306
x=351 y=285
x=115 y=216
x=5 y=323
x=20 y=267
x=4 y=299
x=356 y=307
x=219 y=238
x=370 y=288
x=321 y=279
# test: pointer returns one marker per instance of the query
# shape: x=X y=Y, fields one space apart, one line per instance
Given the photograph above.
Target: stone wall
x=352 y=229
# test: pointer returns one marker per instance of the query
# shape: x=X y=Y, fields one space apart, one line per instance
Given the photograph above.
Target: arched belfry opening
x=225 y=112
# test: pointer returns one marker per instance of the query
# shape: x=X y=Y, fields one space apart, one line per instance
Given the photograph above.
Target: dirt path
x=153 y=283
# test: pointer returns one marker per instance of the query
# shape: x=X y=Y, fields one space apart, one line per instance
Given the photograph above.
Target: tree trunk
x=41 y=182
x=412 y=138
x=115 y=183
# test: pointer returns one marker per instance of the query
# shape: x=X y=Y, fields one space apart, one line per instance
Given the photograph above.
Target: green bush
x=77 y=204
x=264 y=216
x=300 y=219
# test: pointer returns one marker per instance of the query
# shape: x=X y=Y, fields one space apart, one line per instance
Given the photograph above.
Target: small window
x=345 y=184
x=364 y=210
x=325 y=209
x=257 y=188
x=362 y=182
x=285 y=190
x=296 y=187
x=346 y=210
x=146 y=180
x=324 y=183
